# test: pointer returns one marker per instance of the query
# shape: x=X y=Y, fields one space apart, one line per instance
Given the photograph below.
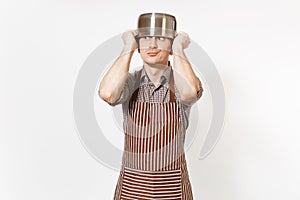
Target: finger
x=184 y=33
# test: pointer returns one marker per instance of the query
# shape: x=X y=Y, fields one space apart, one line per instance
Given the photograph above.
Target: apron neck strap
x=171 y=87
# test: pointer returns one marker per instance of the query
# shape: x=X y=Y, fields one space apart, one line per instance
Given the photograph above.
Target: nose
x=153 y=43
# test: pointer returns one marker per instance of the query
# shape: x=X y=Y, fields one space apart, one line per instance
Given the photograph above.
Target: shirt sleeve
x=195 y=98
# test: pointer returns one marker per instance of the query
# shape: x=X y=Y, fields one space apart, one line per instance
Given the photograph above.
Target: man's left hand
x=181 y=41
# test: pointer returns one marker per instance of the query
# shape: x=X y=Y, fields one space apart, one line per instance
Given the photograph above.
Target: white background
x=254 y=44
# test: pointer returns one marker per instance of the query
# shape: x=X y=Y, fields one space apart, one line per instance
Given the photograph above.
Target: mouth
x=152 y=53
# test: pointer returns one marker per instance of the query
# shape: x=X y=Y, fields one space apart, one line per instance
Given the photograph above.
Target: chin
x=154 y=61
x=157 y=65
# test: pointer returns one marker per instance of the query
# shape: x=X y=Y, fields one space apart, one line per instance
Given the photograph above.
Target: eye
x=161 y=38
x=147 y=37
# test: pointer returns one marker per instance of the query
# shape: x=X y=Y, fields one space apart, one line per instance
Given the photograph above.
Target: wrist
x=178 y=51
x=128 y=49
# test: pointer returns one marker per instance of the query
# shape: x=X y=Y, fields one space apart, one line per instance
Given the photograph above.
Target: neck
x=155 y=72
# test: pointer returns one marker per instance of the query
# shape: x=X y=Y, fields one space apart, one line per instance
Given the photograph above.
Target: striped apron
x=153 y=163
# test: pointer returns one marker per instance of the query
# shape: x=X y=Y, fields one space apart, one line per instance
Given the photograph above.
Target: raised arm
x=187 y=83
x=114 y=80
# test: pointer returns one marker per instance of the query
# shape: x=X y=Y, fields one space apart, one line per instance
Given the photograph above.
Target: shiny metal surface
x=157 y=24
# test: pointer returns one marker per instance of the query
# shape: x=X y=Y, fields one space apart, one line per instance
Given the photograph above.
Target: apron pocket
x=142 y=185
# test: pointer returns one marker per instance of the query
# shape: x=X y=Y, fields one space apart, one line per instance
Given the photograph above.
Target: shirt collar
x=164 y=79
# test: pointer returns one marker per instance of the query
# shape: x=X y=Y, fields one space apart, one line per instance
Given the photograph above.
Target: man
x=156 y=102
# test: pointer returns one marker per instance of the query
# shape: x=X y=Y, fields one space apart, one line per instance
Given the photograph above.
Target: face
x=155 y=50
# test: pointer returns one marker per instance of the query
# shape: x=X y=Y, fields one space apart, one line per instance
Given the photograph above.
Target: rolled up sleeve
x=194 y=99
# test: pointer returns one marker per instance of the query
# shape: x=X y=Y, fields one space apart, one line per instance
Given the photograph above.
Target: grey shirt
x=148 y=92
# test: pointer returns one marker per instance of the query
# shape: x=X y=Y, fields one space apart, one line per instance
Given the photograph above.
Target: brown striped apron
x=153 y=164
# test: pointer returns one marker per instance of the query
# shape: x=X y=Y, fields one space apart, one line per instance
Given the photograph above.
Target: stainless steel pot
x=157 y=24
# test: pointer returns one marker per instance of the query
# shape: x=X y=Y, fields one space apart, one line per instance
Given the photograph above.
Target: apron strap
x=135 y=94
x=171 y=87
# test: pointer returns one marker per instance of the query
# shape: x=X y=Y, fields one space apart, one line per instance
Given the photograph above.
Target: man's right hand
x=130 y=43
